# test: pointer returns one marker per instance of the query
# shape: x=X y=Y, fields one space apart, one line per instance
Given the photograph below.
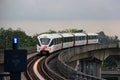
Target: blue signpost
x=15 y=61
x=15 y=43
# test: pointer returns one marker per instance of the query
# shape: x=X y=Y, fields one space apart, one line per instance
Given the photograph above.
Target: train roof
x=49 y=36
x=79 y=34
x=92 y=34
x=67 y=34
x=56 y=35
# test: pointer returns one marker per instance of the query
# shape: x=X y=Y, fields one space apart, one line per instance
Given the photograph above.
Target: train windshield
x=45 y=41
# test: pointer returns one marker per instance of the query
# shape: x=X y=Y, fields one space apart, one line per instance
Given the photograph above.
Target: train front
x=43 y=45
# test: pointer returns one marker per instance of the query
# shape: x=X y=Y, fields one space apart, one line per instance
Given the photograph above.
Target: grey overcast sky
x=59 y=9
x=35 y=16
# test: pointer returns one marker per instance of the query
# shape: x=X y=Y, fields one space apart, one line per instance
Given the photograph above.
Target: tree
x=7 y=35
x=103 y=38
x=49 y=32
x=71 y=31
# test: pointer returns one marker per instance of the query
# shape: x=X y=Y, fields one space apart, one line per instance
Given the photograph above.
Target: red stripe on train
x=44 y=47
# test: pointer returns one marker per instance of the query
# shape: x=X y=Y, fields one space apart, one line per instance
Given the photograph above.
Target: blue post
x=15 y=60
x=15 y=43
x=15 y=75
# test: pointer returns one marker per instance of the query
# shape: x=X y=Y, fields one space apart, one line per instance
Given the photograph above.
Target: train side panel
x=92 y=38
x=56 y=47
x=80 y=39
x=68 y=44
x=68 y=40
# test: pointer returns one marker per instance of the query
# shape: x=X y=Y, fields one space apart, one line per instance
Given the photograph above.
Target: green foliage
x=49 y=32
x=63 y=31
x=7 y=35
x=70 y=31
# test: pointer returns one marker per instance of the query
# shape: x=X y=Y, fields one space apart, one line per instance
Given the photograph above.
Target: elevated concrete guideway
x=87 y=59
x=99 y=51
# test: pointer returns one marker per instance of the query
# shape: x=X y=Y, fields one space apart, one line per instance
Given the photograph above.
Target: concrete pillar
x=77 y=65
x=94 y=69
x=87 y=67
x=84 y=66
x=81 y=65
x=98 y=69
x=91 y=68
x=118 y=65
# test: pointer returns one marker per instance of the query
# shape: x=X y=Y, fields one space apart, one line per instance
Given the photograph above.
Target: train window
x=92 y=37
x=76 y=38
x=72 y=38
x=84 y=38
x=45 y=41
x=69 y=39
x=61 y=40
x=89 y=37
x=57 y=41
x=65 y=39
x=96 y=37
x=52 y=42
x=80 y=38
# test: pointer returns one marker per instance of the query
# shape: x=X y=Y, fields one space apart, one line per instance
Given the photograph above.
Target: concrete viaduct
x=84 y=62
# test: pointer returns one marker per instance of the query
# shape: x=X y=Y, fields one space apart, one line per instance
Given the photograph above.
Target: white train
x=49 y=43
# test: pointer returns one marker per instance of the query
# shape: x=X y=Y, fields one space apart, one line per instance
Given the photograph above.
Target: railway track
x=41 y=69
x=36 y=69
x=30 y=72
